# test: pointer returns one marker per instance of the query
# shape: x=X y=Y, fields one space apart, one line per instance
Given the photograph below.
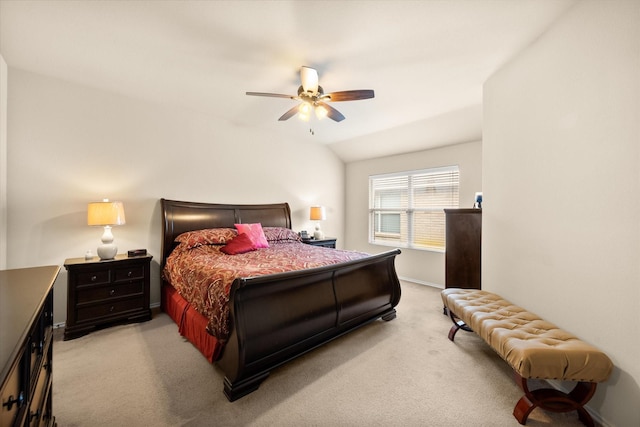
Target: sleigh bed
x=270 y=318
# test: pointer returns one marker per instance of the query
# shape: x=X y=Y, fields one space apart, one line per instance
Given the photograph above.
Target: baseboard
x=420 y=282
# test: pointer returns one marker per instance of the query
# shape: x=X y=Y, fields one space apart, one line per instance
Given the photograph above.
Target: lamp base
x=318 y=234
x=107 y=251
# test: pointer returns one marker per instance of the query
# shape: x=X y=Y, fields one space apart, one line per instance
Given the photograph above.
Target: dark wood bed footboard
x=279 y=317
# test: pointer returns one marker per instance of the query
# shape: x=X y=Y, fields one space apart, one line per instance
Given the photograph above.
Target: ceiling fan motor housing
x=317 y=94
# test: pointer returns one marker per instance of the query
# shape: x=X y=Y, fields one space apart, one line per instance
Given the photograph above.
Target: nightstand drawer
x=95 y=277
x=115 y=308
x=130 y=273
x=97 y=293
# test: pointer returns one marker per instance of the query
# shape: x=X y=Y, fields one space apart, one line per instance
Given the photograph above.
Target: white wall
x=69 y=144
x=420 y=266
x=3 y=163
x=561 y=212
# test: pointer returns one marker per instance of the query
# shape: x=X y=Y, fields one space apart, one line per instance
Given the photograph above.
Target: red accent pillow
x=255 y=233
x=238 y=245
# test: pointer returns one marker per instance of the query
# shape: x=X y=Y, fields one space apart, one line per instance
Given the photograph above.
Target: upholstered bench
x=534 y=348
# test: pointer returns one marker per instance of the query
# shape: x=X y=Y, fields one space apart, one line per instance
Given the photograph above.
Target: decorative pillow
x=209 y=236
x=238 y=245
x=280 y=234
x=255 y=233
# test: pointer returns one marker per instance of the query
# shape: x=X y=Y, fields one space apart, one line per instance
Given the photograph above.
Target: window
x=406 y=209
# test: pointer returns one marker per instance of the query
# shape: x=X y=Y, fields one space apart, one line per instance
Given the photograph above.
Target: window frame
x=408 y=184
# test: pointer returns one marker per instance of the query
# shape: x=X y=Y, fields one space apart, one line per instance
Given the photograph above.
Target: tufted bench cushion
x=532 y=346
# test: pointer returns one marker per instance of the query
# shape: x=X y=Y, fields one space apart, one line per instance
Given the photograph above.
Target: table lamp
x=316 y=213
x=106 y=214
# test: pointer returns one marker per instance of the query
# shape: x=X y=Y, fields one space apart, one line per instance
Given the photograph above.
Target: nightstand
x=329 y=242
x=103 y=292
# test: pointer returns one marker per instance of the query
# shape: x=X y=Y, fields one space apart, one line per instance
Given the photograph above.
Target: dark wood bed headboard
x=180 y=217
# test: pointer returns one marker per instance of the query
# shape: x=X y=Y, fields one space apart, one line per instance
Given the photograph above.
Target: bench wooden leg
x=554 y=400
x=457 y=325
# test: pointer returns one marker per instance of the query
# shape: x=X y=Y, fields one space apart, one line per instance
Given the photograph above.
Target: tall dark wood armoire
x=463 y=246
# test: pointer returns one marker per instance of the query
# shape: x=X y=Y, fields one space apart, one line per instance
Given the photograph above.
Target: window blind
x=407 y=209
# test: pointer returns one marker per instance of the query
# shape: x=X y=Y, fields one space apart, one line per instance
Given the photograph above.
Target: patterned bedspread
x=203 y=275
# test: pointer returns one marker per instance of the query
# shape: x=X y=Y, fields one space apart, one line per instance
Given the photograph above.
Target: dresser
x=104 y=292
x=463 y=248
x=26 y=346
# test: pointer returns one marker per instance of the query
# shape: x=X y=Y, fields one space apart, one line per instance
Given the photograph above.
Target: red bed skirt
x=191 y=324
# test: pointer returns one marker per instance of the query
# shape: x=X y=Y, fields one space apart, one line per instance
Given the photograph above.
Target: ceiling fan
x=313 y=98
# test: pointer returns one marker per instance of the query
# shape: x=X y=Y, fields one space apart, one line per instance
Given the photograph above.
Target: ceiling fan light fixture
x=321 y=112
x=304 y=111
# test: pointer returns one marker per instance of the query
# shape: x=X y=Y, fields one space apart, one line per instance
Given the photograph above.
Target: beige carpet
x=400 y=373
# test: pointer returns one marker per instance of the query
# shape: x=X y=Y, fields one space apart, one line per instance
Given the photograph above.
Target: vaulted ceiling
x=426 y=60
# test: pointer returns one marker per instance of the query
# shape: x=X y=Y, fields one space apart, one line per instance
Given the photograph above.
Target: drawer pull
x=112 y=292
x=94 y=278
x=19 y=401
x=37 y=346
x=112 y=308
x=130 y=273
x=33 y=415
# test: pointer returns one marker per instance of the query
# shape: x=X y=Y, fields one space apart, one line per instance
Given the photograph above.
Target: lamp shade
x=316 y=213
x=105 y=213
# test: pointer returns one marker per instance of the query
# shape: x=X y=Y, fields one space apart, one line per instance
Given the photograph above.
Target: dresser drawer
x=37 y=343
x=40 y=392
x=97 y=293
x=34 y=355
x=115 y=308
x=129 y=273
x=13 y=395
x=95 y=277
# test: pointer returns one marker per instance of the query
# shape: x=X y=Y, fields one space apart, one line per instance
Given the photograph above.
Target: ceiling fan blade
x=290 y=113
x=309 y=79
x=332 y=113
x=272 y=95
x=349 y=95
